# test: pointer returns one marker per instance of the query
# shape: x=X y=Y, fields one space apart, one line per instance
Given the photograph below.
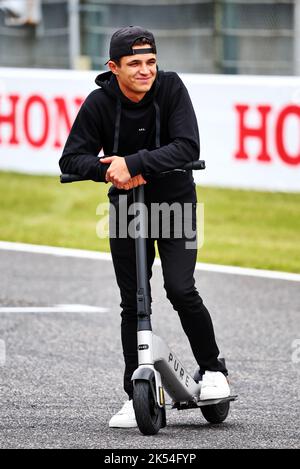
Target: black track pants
x=178 y=265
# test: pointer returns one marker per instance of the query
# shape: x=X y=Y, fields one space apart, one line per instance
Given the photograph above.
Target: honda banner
x=249 y=126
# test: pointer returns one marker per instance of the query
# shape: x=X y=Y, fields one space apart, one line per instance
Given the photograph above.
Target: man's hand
x=117 y=172
x=134 y=182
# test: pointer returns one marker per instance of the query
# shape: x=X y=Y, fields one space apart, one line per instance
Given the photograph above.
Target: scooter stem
x=143 y=289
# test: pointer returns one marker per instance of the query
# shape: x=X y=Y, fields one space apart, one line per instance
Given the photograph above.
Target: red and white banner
x=249 y=126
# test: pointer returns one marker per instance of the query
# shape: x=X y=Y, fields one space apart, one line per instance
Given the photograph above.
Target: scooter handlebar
x=65 y=178
x=194 y=165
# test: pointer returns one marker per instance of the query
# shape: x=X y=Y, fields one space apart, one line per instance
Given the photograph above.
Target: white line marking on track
x=105 y=256
x=76 y=308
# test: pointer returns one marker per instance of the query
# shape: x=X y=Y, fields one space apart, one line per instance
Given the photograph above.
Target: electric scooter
x=159 y=369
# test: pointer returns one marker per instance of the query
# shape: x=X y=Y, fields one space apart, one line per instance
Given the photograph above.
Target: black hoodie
x=157 y=134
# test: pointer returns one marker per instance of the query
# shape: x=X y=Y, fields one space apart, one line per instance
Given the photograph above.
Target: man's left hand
x=117 y=172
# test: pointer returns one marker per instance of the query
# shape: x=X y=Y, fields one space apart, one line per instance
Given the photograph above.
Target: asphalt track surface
x=62 y=378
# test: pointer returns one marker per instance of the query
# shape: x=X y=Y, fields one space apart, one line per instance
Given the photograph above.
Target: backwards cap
x=122 y=41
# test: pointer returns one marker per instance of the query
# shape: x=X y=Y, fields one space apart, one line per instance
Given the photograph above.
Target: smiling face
x=135 y=73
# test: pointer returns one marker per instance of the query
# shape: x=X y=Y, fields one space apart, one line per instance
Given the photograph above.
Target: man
x=144 y=119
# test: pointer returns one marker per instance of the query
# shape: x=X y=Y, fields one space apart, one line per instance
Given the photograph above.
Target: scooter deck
x=194 y=405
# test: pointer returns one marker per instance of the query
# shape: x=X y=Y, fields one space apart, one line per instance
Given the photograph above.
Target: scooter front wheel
x=148 y=414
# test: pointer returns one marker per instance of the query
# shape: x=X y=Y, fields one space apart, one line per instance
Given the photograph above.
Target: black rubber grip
x=64 y=178
x=195 y=165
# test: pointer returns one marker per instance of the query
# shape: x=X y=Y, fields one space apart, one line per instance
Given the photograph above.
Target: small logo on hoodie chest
x=142 y=129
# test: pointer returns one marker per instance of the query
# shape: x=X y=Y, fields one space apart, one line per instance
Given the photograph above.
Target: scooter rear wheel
x=147 y=412
x=216 y=413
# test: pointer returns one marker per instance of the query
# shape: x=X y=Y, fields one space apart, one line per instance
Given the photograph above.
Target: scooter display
x=159 y=369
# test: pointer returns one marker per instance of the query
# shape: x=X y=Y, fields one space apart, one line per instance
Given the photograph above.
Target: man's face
x=136 y=73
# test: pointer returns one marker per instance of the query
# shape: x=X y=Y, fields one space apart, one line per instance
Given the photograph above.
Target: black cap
x=122 y=41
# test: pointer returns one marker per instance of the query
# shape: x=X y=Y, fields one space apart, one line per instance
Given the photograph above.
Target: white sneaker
x=214 y=386
x=125 y=418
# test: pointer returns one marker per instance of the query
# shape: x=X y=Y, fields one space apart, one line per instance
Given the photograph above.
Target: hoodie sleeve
x=80 y=154
x=183 y=131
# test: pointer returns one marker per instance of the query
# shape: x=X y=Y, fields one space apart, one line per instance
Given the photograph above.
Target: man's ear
x=113 y=67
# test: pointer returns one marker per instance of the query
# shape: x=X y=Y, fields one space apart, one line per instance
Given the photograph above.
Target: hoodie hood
x=108 y=82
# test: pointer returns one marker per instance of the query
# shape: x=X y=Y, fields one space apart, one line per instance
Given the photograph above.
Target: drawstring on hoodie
x=117 y=128
x=118 y=120
x=157 y=124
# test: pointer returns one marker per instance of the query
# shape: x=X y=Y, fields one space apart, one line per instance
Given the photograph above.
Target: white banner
x=249 y=126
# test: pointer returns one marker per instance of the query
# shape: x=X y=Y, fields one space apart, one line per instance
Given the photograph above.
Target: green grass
x=243 y=228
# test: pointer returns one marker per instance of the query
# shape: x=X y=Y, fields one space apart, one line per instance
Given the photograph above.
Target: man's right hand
x=133 y=182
